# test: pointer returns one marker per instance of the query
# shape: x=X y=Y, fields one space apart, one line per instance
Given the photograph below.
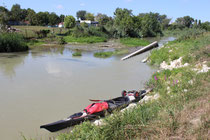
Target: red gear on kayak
x=96 y=107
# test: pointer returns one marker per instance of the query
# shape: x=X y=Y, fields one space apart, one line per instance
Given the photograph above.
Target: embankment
x=181 y=89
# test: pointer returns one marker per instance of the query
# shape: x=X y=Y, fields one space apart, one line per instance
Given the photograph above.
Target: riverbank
x=181 y=108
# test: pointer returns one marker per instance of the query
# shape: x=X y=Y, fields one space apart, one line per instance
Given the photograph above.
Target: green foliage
x=103 y=19
x=134 y=42
x=205 y=26
x=89 y=16
x=85 y=31
x=42 y=33
x=180 y=48
x=16 y=13
x=61 y=41
x=103 y=54
x=81 y=14
x=185 y=21
x=12 y=42
x=151 y=27
x=93 y=39
x=53 y=19
x=69 y=22
x=123 y=22
x=4 y=17
x=77 y=53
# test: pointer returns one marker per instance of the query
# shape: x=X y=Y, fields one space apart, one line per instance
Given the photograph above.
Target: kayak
x=96 y=110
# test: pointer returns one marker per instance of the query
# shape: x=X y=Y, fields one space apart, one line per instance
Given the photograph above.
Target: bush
x=103 y=54
x=61 y=41
x=93 y=39
x=12 y=42
x=134 y=42
x=77 y=54
x=85 y=31
x=42 y=33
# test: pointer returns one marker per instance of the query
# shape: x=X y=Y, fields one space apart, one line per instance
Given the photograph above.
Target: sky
x=198 y=9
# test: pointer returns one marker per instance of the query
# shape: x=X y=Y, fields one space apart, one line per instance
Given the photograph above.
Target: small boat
x=96 y=110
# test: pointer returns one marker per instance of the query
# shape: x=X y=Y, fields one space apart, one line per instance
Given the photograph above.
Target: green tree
x=53 y=19
x=185 y=21
x=42 y=18
x=123 y=22
x=89 y=16
x=205 y=26
x=4 y=13
x=103 y=19
x=24 y=14
x=81 y=14
x=62 y=18
x=16 y=13
x=31 y=17
x=69 y=22
x=150 y=26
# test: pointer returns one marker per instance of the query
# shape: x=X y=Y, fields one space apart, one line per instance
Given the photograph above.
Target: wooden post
x=146 y=48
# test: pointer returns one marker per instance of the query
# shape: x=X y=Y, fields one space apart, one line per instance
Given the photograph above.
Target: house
x=61 y=25
x=90 y=23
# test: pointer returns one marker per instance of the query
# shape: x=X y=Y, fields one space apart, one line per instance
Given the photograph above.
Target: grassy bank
x=92 y=39
x=110 y=53
x=12 y=42
x=134 y=42
x=182 y=110
x=188 y=49
x=29 y=31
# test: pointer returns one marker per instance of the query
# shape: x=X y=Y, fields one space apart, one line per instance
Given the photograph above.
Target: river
x=47 y=84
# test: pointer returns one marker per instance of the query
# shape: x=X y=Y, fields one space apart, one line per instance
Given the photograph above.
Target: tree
x=185 y=21
x=89 y=16
x=24 y=14
x=81 y=15
x=31 y=17
x=3 y=17
x=53 y=19
x=150 y=26
x=103 y=19
x=16 y=13
x=42 y=18
x=123 y=22
x=205 y=26
x=69 y=22
x=62 y=18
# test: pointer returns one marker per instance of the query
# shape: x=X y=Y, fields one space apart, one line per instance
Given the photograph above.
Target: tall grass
x=185 y=48
x=92 y=39
x=134 y=42
x=12 y=42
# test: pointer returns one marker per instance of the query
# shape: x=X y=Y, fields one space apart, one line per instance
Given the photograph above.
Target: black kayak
x=113 y=104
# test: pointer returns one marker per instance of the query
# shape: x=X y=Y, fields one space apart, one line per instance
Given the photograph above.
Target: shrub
x=12 y=42
x=61 y=41
x=103 y=54
x=77 y=54
x=42 y=33
x=134 y=42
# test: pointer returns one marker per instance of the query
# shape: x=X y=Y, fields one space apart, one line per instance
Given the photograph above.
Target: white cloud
x=59 y=6
x=82 y=4
x=57 y=70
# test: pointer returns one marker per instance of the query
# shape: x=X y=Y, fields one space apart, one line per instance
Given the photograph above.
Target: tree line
x=123 y=24
x=16 y=14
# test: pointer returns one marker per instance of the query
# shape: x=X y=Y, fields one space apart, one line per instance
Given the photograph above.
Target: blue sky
x=198 y=9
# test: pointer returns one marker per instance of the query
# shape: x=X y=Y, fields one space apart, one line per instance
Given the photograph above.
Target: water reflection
x=9 y=62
